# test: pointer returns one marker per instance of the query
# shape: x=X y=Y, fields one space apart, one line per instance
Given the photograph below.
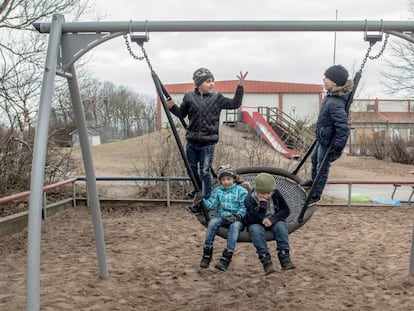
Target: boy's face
x=328 y=84
x=206 y=87
x=264 y=196
x=226 y=181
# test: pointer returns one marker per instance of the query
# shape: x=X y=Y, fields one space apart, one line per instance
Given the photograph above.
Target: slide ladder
x=266 y=132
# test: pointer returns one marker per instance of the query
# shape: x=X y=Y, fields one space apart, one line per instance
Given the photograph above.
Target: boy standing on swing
x=332 y=125
x=203 y=106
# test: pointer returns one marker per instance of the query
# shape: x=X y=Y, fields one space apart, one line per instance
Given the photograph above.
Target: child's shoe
x=207 y=255
x=284 y=258
x=224 y=262
x=266 y=260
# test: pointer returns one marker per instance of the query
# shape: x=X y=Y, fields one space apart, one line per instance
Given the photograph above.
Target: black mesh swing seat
x=288 y=184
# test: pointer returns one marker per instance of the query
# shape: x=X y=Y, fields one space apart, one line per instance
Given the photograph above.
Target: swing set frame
x=69 y=41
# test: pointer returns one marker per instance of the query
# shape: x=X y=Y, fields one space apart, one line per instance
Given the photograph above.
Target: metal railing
x=167 y=181
x=47 y=188
x=395 y=183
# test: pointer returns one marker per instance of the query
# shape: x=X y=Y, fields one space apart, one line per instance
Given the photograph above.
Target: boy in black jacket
x=268 y=210
x=203 y=106
x=332 y=125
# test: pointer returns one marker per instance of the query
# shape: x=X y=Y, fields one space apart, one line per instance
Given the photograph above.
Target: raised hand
x=242 y=77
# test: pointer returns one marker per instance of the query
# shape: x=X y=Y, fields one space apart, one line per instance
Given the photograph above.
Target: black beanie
x=337 y=74
x=201 y=75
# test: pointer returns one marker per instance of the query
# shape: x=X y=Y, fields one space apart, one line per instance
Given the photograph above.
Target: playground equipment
x=69 y=41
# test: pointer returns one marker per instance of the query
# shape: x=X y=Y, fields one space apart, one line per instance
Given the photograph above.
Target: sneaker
x=194 y=209
x=190 y=195
x=315 y=199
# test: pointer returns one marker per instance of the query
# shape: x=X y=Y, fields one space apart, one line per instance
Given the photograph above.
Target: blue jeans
x=232 y=234
x=258 y=236
x=317 y=157
x=202 y=156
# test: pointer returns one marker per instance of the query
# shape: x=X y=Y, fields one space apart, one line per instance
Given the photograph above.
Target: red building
x=300 y=101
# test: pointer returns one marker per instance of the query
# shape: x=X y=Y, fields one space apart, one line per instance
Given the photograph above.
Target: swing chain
x=367 y=56
x=145 y=55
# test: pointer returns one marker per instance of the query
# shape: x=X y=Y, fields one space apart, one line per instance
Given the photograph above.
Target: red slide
x=265 y=131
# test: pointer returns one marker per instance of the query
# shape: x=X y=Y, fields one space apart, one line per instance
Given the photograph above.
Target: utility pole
x=334 y=52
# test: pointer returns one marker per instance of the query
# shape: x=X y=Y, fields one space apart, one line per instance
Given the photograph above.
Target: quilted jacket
x=203 y=112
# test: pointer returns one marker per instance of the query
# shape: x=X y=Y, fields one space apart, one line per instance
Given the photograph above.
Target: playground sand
x=347 y=259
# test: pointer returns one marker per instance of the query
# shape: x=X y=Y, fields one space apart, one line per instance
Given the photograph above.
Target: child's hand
x=170 y=103
x=242 y=77
x=233 y=218
x=266 y=222
x=198 y=198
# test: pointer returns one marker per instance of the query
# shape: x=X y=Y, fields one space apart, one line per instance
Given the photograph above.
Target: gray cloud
x=276 y=56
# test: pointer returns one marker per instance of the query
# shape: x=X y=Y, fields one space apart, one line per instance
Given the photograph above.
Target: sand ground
x=347 y=259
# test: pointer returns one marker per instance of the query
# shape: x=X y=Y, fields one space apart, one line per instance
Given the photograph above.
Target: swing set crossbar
x=236 y=25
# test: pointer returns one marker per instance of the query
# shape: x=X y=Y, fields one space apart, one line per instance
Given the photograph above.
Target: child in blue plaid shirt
x=227 y=200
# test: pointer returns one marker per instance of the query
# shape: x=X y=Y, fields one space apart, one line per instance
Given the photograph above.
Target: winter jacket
x=333 y=118
x=203 y=112
x=227 y=202
x=276 y=208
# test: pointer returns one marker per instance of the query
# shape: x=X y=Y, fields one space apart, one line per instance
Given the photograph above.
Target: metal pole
x=74 y=194
x=412 y=255
x=168 y=193
x=334 y=51
x=90 y=172
x=38 y=167
x=230 y=26
x=44 y=205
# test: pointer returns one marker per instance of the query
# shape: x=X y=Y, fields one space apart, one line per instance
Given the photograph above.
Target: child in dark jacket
x=268 y=210
x=332 y=125
x=227 y=200
x=202 y=106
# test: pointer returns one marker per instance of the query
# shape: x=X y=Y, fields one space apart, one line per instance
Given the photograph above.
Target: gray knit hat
x=201 y=75
x=337 y=74
x=264 y=183
x=226 y=170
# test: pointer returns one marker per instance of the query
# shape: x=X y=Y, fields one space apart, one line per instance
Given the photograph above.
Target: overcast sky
x=272 y=56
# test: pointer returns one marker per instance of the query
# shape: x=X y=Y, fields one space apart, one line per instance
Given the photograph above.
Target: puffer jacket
x=333 y=117
x=276 y=208
x=227 y=202
x=203 y=112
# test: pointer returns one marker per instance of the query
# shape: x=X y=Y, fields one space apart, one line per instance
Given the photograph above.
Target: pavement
x=373 y=191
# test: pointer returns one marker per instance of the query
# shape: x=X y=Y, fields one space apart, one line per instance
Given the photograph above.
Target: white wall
x=298 y=106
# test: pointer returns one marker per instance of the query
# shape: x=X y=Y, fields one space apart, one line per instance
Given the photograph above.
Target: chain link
x=367 y=56
x=145 y=55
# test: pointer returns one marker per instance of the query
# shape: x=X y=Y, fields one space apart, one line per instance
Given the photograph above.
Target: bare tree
x=22 y=51
x=399 y=75
x=22 y=54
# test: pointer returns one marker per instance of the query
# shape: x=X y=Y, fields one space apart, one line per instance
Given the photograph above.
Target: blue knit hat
x=337 y=74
